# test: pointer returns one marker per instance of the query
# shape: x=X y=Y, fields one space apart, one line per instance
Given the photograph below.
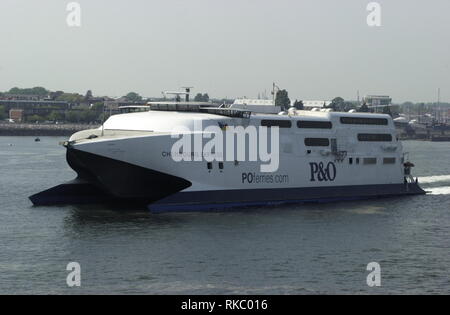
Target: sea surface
x=304 y=249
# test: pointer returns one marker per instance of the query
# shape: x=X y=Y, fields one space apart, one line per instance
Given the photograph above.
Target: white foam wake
x=434 y=179
x=439 y=190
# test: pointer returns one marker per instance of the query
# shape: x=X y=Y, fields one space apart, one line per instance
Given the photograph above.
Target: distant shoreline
x=42 y=130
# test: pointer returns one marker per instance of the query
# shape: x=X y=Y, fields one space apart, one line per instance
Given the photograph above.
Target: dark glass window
x=374 y=137
x=370 y=161
x=209 y=165
x=317 y=142
x=350 y=160
x=364 y=121
x=276 y=123
x=314 y=124
x=221 y=165
x=389 y=161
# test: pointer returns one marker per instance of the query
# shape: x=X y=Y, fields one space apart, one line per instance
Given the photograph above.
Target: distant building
x=8 y=96
x=315 y=104
x=377 y=100
x=257 y=105
x=16 y=115
x=30 y=107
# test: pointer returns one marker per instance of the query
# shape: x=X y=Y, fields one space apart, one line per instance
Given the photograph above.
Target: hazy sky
x=316 y=49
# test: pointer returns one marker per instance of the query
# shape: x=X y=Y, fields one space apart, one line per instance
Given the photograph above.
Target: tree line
x=83 y=108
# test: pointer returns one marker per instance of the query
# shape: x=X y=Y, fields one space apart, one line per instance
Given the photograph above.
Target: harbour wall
x=42 y=130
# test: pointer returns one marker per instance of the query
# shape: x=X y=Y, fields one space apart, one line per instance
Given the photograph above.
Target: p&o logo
x=322 y=172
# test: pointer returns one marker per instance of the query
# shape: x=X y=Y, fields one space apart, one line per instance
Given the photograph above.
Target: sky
x=316 y=49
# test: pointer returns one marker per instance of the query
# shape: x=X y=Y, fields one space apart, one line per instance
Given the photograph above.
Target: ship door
x=334 y=146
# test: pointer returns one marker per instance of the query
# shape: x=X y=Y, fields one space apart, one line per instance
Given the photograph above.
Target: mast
x=439 y=104
x=275 y=89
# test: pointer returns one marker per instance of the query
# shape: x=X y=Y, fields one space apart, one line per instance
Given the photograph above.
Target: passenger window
x=317 y=142
x=370 y=161
x=389 y=161
x=314 y=124
x=276 y=123
x=374 y=137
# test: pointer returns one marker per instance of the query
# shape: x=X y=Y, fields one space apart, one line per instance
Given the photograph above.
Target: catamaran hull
x=105 y=180
x=101 y=179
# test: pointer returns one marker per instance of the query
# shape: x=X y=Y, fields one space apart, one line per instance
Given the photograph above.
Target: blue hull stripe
x=224 y=199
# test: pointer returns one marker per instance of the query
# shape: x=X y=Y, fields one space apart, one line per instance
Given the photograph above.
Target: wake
x=438 y=191
x=434 y=179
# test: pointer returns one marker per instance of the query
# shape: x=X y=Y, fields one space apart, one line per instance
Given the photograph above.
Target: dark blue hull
x=225 y=199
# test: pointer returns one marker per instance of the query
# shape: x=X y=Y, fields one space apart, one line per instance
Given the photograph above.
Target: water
x=289 y=250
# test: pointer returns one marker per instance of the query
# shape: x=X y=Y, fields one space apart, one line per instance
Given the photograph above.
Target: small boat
x=37 y=140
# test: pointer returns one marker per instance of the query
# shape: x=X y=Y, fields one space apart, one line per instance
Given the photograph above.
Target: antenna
x=274 y=94
x=188 y=91
x=103 y=119
x=439 y=105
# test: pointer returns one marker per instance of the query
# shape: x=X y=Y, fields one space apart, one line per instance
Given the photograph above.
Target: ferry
x=323 y=156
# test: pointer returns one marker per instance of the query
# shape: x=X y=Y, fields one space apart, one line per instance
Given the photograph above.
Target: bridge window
x=314 y=124
x=364 y=121
x=374 y=137
x=370 y=161
x=276 y=123
x=389 y=161
x=317 y=142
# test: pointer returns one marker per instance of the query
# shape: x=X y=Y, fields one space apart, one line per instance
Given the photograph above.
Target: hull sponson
x=124 y=180
x=208 y=200
x=73 y=192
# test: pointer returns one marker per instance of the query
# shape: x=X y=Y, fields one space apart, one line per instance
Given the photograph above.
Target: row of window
x=364 y=121
x=324 y=124
x=325 y=142
x=375 y=137
x=372 y=161
x=300 y=124
x=314 y=124
x=317 y=142
x=351 y=161
x=276 y=123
